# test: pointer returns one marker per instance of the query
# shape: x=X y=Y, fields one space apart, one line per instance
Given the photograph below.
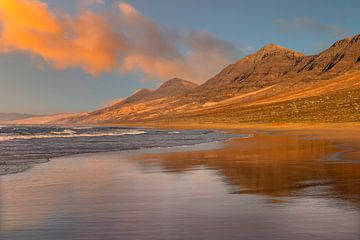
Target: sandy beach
x=280 y=183
x=343 y=135
x=179 y=120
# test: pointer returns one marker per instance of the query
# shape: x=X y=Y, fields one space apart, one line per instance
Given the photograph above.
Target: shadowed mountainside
x=274 y=84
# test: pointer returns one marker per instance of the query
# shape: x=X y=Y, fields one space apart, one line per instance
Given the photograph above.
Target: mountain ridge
x=172 y=87
x=273 y=74
x=5 y=117
x=257 y=70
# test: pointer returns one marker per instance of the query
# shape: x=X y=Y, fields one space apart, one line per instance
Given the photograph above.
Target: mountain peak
x=271 y=50
x=347 y=40
x=355 y=38
x=272 y=47
x=172 y=87
x=178 y=82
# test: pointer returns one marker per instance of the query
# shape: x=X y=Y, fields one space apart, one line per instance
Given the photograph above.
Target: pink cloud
x=99 y=43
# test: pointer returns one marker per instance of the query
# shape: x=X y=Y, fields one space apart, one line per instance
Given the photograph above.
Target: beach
x=179 y=120
x=292 y=182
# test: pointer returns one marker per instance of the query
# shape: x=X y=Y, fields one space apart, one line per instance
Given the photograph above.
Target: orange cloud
x=127 y=9
x=156 y=51
x=87 y=41
x=155 y=66
x=97 y=44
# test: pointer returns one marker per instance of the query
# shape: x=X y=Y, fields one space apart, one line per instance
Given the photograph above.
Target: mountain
x=272 y=84
x=260 y=69
x=48 y=119
x=171 y=88
x=273 y=65
x=6 y=117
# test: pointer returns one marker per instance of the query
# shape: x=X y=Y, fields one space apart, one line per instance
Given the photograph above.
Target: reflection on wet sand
x=183 y=193
x=272 y=166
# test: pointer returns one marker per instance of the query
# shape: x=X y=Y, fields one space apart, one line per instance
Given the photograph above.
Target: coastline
x=222 y=187
x=18 y=165
x=345 y=137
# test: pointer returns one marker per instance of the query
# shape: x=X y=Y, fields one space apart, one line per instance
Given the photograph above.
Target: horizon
x=57 y=83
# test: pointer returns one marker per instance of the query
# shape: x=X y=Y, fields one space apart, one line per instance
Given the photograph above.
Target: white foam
x=71 y=134
x=66 y=132
x=79 y=128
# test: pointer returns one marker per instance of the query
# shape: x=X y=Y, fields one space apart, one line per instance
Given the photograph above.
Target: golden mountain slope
x=274 y=84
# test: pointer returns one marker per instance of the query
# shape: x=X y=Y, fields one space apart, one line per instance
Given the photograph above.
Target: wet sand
x=283 y=185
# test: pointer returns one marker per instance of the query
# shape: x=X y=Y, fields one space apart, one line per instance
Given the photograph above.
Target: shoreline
x=270 y=163
x=343 y=136
x=11 y=169
x=266 y=179
x=340 y=135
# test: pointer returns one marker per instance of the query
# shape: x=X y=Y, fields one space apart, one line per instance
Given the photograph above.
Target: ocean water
x=22 y=146
x=261 y=187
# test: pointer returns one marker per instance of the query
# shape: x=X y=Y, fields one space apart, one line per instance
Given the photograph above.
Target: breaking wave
x=68 y=133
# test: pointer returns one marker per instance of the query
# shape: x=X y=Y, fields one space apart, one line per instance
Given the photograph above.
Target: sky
x=74 y=56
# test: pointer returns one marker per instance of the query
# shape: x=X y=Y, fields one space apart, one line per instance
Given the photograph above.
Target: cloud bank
x=97 y=43
x=308 y=24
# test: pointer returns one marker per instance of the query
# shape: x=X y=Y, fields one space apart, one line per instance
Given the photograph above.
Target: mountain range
x=5 y=117
x=274 y=84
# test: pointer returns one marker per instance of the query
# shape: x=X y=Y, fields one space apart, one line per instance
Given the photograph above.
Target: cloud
x=94 y=1
x=128 y=10
x=83 y=4
x=308 y=24
x=85 y=41
x=156 y=50
x=98 y=43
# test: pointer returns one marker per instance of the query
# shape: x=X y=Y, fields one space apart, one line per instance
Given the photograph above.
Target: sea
x=24 y=145
x=176 y=185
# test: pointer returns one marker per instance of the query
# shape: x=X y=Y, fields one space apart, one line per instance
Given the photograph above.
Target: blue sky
x=30 y=84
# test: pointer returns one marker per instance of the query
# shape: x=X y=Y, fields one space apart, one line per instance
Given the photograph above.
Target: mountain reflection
x=275 y=166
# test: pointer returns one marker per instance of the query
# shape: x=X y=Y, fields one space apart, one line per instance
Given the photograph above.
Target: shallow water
x=23 y=146
x=266 y=187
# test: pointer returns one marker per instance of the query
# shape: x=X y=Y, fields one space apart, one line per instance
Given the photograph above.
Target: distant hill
x=5 y=117
x=48 y=119
x=274 y=84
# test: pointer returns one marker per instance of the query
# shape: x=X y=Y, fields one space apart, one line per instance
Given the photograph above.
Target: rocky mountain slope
x=272 y=84
x=273 y=65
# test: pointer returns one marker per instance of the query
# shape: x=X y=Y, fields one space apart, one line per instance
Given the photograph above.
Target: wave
x=20 y=128
x=66 y=132
x=70 y=134
x=80 y=128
